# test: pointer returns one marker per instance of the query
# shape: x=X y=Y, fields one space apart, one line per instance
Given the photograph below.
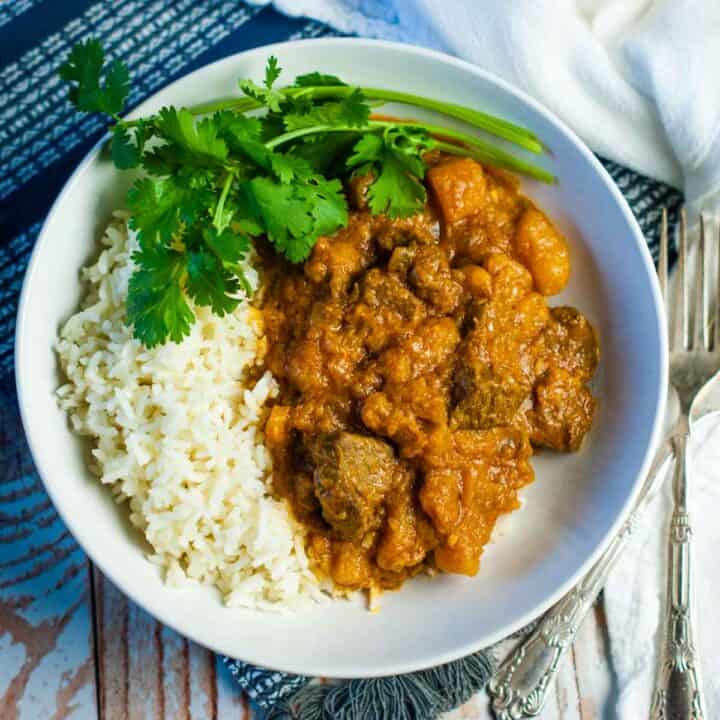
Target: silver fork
x=694 y=364
x=519 y=688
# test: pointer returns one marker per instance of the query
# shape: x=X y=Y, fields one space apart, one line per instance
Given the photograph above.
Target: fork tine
x=702 y=334
x=706 y=280
x=663 y=267
x=685 y=335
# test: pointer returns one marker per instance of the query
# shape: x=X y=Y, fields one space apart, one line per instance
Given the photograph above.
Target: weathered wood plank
x=175 y=674
x=46 y=642
x=146 y=699
x=150 y=672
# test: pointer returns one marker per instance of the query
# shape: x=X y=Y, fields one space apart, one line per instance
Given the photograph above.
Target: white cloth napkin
x=638 y=81
x=634 y=593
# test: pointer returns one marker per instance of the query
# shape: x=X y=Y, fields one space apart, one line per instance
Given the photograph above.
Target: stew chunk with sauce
x=420 y=366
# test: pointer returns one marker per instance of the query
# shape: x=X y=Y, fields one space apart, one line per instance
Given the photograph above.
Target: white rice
x=175 y=432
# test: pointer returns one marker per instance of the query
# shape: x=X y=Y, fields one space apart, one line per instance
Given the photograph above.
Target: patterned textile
x=42 y=139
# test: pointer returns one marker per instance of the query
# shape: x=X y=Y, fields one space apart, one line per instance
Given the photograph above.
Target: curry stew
x=419 y=366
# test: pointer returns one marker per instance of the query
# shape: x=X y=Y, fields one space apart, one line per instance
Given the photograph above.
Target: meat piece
x=458 y=188
x=401 y=260
x=407 y=535
x=353 y=474
x=485 y=400
x=562 y=411
x=339 y=259
x=502 y=336
x=431 y=346
x=421 y=229
x=397 y=422
x=387 y=309
x=387 y=292
x=431 y=277
x=568 y=342
x=543 y=250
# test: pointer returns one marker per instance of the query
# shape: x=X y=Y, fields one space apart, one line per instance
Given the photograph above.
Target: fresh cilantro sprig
x=213 y=177
x=90 y=93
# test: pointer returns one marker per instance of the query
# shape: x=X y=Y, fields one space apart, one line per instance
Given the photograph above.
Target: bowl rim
x=363 y=671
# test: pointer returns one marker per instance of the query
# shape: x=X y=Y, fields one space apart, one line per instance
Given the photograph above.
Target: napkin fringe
x=420 y=695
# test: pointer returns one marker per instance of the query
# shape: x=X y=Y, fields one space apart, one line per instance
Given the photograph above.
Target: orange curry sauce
x=420 y=366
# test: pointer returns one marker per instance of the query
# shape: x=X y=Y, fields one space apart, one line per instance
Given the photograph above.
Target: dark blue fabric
x=42 y=139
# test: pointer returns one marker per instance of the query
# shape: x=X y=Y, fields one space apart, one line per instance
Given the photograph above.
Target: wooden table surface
x=73 y=646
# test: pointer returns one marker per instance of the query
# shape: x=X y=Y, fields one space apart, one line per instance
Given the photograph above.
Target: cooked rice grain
x=175 y=432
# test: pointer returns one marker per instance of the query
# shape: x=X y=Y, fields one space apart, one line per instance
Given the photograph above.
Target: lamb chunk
x=485 y=400
x=387 y=308
x=341 y=258
x=568 y=342
x=433 y=281
x=353 y=474
x=562 y=411
x=408 y=533
x=420 y=229
x=381 y=291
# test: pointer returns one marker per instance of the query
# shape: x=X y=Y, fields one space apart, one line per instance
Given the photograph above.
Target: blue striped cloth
x=42 y=139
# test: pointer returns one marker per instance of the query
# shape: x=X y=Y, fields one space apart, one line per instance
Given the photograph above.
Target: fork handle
x=520 y=686
x=678 y=694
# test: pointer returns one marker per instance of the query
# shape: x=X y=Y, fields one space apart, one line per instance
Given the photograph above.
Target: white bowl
x=568 y=515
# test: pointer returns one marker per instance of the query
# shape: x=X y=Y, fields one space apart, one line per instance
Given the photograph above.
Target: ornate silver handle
x=678 y=695
x=519 y=687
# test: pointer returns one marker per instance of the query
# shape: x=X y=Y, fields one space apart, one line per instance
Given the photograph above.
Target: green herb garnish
x=215 y=176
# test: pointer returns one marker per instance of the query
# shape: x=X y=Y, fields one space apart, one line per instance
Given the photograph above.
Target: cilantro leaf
x=316 y=79
x=268 y=98
x=325 y=153
x=395 y=158
x=210 y=284
x=196 y=139
x=231 y=248
x=396 y=190
x=289 y=167
x=160 y=207
x=231 y=125
x=272 y=72
x=294 y=216
x=84 y=68
x=328 y=206
x=156 y=305
x=265 y=94
x=125 y=154
x=368 y=149
x=352 y=111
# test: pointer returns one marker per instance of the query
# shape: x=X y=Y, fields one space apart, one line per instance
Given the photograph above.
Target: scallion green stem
x=489 y=123
x=494 y=156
